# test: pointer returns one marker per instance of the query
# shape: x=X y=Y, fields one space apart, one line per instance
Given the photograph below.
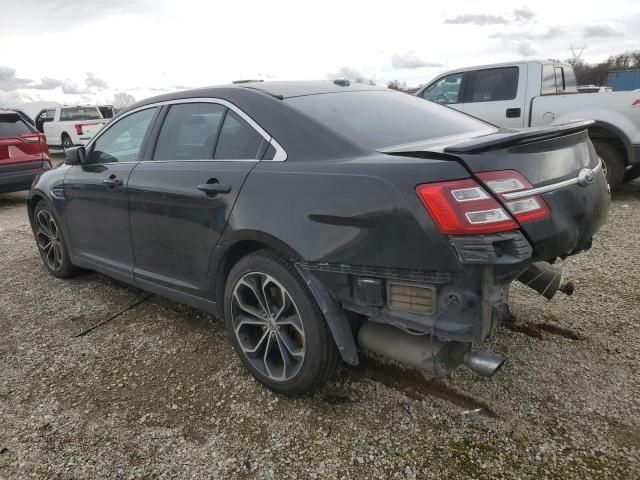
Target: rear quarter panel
x=361 y=211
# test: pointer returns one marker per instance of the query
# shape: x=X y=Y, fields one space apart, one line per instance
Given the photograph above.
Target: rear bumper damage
x=426 y=319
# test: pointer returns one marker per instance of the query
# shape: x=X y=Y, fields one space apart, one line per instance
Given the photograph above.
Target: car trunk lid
x=562 y=169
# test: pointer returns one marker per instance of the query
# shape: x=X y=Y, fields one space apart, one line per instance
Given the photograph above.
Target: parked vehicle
x=23 y=152
x=624 y=80
x=540 y=93
x=107 y=111
x=66 y=126
x=593 y=89
x=316 y=217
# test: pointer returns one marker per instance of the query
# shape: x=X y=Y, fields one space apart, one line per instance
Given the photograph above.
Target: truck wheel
x=631 y=174
x=276 y=326
x=613 y=161
x=66 y=141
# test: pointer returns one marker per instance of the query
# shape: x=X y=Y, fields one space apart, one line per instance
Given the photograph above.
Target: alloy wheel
x=268 y=326
x=49 y=240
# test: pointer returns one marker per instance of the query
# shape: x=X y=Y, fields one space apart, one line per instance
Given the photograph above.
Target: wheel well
x=230 y=258
x=604 y=134
x=31 y=205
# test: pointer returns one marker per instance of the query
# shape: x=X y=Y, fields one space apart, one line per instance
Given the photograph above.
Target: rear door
x=497 y=95
x=182 y=194
x=96 y=200
x=448 y=90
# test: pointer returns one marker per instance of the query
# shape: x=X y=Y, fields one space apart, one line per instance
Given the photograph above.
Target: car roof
x=287 y=89
x=504 y=64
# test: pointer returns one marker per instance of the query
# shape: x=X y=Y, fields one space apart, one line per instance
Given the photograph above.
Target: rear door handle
x=513 y=112
x=214 y=188
x=112 y=181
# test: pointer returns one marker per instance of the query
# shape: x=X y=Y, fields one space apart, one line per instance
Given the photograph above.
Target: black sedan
x=320 y=218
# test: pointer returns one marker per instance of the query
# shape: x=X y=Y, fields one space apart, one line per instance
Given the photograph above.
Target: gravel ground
x=159 y=393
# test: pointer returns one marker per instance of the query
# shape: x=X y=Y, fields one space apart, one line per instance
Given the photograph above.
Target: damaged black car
x=320 y=219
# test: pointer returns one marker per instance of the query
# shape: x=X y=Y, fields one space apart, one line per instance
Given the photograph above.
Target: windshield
x=80 y=113
x=378 y=119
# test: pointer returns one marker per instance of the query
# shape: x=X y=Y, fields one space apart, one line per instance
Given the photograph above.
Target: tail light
x=33 y=138
x=78 y=127
x=636 y=103
x=464 y=207
x=526 y=209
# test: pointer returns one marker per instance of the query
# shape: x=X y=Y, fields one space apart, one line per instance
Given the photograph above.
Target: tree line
x=596 y=73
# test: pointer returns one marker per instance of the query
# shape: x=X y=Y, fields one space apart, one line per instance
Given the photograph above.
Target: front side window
x=79 y=113
x=121 y=142
x=189 y=132
x=238 y=140
x=445 y=91
x=494 y=85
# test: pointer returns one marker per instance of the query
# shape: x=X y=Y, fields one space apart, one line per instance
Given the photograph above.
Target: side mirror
x=75 y=156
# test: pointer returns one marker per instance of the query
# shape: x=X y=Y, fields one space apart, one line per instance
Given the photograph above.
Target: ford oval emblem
x=585 y=177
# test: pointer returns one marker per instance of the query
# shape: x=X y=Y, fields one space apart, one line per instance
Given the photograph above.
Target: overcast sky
x=85 y=51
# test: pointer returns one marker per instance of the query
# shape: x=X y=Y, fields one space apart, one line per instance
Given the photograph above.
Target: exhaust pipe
x=418 y=351
x=483 y=363
x=545 y=279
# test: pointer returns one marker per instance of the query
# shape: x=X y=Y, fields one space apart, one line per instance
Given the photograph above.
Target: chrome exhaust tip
x=483 y=363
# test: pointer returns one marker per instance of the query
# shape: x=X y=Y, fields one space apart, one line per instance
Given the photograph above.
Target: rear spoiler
x=504 y=138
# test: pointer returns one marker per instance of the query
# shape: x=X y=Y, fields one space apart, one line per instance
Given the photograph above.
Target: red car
x=23 y=152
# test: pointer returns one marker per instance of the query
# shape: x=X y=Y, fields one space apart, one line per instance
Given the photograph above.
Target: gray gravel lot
x=159 y=393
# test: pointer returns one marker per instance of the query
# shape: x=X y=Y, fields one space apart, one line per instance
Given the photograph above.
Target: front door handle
x=214 y=188
x=513 y=112
x=112 y=181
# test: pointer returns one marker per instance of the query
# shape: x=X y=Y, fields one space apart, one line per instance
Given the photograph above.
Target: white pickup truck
x=544 y=92
x=66 y=126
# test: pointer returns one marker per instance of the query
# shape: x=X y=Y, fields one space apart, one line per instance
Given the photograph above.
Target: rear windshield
x=378 y=119
x=80 y=113
x=11 y=125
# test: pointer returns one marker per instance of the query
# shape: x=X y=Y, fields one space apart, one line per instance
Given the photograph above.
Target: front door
x=96 y=201
x=181 y=197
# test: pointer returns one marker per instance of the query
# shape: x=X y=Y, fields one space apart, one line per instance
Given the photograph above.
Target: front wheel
x=276 y=326
x=51 y=244
x=66 y=141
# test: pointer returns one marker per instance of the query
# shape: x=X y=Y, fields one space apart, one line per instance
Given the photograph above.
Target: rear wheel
x=276 y=326
x=66 y=141
x=613 y=161
x=51 y=243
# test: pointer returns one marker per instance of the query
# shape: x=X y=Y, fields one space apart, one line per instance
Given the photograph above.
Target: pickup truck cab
x=66 y=126
x=541 y=93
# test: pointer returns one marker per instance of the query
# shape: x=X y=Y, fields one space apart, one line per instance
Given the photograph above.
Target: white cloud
x=602 y=31
x=411 y=60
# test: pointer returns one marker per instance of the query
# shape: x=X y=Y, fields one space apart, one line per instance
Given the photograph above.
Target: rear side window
x=493 y=85
x=238 y=140
x=382 y=119
x=11 y=125
x=548 y=80
x=189 y=132
x=79 y=113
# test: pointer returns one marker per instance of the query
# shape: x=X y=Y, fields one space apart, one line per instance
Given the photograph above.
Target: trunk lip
x=551 y=187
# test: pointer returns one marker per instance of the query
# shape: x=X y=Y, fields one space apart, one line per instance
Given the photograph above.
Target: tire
x=293 y=324
x=631 y=174
x=66 y=141
x=51 y=243
x=615 y=168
